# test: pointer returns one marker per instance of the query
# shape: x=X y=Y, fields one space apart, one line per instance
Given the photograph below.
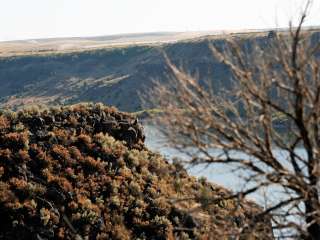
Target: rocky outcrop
x=83 y=172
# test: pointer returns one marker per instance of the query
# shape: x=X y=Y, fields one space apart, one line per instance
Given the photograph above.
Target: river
x=220 y=174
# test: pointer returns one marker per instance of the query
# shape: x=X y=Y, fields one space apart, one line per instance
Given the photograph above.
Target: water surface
x=221 y=174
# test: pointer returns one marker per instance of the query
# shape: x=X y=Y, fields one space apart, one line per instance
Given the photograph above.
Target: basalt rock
x=85 y=120
x=83 y=172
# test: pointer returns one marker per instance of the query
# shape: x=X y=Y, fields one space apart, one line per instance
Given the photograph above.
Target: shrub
x=82 y=180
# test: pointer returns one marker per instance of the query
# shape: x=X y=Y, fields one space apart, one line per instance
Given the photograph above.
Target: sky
x=31 y=19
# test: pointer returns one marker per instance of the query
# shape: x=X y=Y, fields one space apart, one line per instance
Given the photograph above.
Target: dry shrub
x=82 y=180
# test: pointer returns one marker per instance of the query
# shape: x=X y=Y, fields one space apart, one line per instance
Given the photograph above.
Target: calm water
x=217 y=173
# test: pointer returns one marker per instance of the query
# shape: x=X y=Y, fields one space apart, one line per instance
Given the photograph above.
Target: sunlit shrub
x=62 y=173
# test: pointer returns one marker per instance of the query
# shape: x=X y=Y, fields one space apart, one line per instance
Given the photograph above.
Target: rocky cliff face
x=114 y=76
x=83 y=172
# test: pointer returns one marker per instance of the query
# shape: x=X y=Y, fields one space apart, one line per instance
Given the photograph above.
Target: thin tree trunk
x=311 y=217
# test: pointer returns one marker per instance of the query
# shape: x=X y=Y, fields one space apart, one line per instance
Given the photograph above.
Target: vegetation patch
x=83 y=172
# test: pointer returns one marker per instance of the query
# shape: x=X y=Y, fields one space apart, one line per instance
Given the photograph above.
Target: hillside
x=83 y=172
x=112 y=75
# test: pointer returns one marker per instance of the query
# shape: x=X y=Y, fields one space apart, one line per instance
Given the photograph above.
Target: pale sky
x=27 y=19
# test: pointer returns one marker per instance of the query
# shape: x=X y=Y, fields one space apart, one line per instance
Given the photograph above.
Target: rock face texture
x=83 y=172
x=115 y=76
